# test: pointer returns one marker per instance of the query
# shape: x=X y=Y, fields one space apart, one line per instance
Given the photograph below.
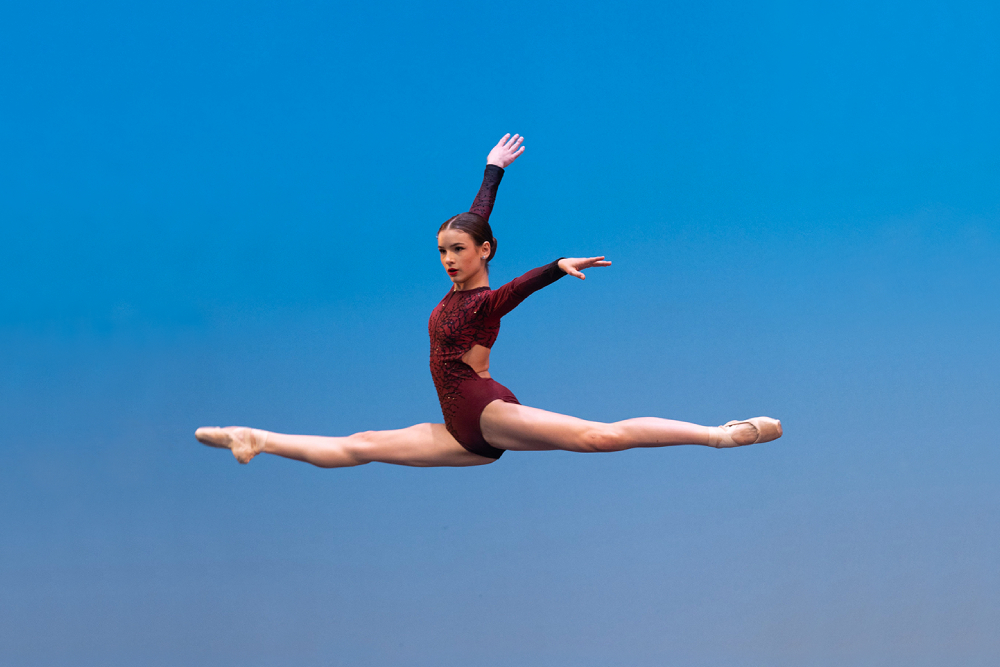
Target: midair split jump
x=482 y=418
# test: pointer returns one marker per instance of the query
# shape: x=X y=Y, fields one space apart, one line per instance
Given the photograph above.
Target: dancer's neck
x=481 y=279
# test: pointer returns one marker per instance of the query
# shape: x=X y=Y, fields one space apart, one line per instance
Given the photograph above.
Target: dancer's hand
x=506 y=151
x=574 y=265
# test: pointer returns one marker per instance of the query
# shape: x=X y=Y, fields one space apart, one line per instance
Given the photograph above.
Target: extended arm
x=503 y=154
x=506 y=298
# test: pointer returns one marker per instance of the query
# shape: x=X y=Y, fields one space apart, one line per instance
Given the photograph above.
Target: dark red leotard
x=472 y=317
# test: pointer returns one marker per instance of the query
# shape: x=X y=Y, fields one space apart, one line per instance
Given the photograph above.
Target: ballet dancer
x=482 y=418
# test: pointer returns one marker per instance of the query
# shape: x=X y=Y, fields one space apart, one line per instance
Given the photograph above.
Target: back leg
x=424 y=445
x=245 y=443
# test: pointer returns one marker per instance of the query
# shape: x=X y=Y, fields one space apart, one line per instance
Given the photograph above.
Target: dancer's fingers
x=503 y=140
x=511 y=142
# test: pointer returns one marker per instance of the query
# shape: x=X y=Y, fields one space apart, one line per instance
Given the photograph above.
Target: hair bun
x=493 y=249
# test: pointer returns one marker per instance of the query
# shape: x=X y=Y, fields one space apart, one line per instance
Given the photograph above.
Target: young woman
x=482 y=417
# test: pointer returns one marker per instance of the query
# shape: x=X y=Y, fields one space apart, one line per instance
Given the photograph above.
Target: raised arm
x=483 y=203
x=503 y=154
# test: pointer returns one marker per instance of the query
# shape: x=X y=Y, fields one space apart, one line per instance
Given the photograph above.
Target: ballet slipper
x=245 y=443
x=767 y=429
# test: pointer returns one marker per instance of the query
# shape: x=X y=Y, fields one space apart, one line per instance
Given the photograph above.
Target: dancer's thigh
x=423 y=445
x=523 y=428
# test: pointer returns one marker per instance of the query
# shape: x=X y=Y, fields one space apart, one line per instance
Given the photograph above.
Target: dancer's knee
x=602 y=438
x=359 y=448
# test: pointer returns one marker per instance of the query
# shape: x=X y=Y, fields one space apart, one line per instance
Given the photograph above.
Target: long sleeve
x=506 y=298
x=483 y=203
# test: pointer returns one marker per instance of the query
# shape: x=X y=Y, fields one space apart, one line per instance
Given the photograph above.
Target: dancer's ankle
x=736 y=434
x=717 y=437
x=259 y=440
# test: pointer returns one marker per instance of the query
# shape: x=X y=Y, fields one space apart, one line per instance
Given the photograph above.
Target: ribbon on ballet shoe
x=720 y=438
x=260 y=440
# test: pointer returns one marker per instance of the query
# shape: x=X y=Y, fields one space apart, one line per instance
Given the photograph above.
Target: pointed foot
x=245 y=443
x=739 y=433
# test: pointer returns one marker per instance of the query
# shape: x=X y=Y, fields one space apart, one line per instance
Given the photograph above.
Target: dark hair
x=475 y=226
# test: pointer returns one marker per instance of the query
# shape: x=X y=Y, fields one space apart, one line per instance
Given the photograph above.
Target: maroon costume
x=472 y=317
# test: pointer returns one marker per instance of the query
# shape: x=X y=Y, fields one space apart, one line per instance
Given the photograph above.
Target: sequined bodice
x=472 y=317
x=457 y=324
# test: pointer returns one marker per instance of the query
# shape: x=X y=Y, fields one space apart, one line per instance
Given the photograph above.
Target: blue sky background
x=224 y=212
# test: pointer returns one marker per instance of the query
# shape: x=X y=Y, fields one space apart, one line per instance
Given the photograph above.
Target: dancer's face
x=461 y=257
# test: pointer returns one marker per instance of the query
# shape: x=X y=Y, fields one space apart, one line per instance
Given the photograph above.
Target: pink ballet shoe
x=767 y=429
x=245 y=443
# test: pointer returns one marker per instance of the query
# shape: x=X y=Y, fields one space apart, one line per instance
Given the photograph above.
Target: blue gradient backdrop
x=224 y=212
